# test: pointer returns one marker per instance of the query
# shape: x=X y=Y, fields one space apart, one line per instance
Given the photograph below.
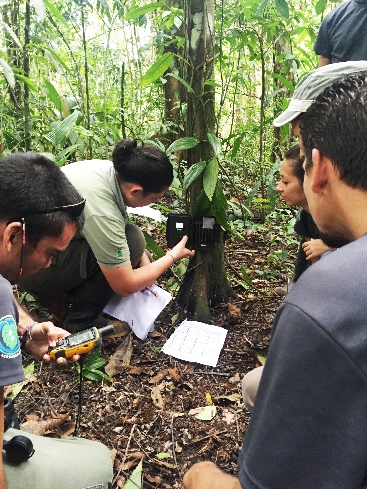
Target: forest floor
x=145 y=412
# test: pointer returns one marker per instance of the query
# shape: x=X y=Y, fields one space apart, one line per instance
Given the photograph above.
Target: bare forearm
x=323 y=61
x=126 y=280
x=143 y=277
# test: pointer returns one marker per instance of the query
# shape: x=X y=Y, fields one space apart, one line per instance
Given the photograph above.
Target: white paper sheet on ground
x=146 y=211
x=139 y=310
x=196 y=342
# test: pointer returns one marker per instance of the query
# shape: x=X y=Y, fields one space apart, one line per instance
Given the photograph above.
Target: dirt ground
x=144 y=412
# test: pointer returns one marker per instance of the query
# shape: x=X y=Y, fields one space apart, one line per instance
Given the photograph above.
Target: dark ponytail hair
x=293 y=155
x=146 y=166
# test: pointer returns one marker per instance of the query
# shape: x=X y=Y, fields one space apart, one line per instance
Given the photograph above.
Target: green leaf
x=282 y=7
x=192 y=174
x=163 y=455
x=182 y=143
x=247 y=278
x=12 y=34
x=215 y=144
x=261 y=6
x=137 y=12
x=152 y=246
x=28 y=82
x=53 y=95
x=202 y=204
x=284 y=81
x=92 y=375
x=55 y=13
x=135 y=480
x=252 y=193
x=56 y=59
x=62 y=156
x=181 y=80
x=58 y=134
x=157 y=70
x=320 y=6
x=261 y=359
x=210 y=177
x=220 y=206
x=97 y=363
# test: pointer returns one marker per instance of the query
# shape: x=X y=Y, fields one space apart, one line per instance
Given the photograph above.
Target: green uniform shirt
x=105 y=210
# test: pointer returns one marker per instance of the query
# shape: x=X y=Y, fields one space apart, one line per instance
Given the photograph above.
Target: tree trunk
x=205 y=284
x=26 y=69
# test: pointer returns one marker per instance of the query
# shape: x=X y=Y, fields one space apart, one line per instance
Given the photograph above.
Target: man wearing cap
x=308 y=428
x=343 y=34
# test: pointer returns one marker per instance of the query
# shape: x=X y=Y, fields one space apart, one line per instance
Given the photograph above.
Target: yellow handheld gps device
x=79 y=343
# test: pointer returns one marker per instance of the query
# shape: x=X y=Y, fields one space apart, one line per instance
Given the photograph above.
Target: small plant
x=154 y=349
x=90 y=368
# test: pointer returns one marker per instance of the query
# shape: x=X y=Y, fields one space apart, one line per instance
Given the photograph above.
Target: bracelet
x=26 y=334
x=173 y=258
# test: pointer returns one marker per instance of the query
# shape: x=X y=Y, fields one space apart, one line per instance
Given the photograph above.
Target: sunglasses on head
x=74 y=210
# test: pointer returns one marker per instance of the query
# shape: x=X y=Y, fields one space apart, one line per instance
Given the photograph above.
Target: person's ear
x=12 y=235
x=135 y=189
x=320 y=171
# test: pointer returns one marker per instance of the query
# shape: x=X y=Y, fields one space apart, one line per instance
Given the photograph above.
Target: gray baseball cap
x=313 y=84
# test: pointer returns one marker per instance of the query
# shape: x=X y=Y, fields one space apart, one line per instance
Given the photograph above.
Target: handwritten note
x=196 y=342
x=139 y=310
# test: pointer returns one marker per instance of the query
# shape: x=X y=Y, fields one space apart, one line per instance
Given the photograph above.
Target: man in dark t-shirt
x=308 y=428
x=343 y=34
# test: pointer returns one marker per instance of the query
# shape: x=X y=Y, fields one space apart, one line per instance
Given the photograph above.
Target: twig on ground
x=125 y=455
x=173 y=449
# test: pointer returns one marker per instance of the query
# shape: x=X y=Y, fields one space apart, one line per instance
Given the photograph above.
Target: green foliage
x=91 y=368
x=156 y=70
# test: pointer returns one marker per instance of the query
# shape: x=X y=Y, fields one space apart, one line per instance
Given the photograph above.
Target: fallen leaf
x=157 y=397
x=235 y=311
x=165 y=464
x=121 y=358
x=113 y=453
x=155 y=334
x=229 y=417
x=208 y=398
x=174 y=374
x=231 y=397
x=154 y=480
x=66 y=429
x=204 y=413
x=129 y=464
x=235 y=378
x=136 y=370
x=158 y=377
x=40 y=427
x=121 y=482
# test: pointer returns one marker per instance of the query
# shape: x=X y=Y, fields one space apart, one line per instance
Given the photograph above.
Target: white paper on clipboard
x=139 y=310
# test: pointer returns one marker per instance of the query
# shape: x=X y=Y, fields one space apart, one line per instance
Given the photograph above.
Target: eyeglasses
x=74 y=210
